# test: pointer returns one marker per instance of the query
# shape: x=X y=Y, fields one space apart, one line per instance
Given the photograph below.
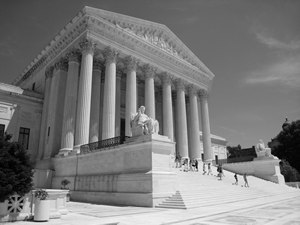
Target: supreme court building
x=101 y=67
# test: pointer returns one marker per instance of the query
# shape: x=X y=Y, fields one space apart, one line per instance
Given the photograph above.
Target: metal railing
x=107 y=143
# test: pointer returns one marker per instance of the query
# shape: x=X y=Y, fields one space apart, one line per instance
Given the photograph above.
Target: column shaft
x=194 y=144
x=68 y=130
x=109 y=101
x=118 y=105
x=167 y=108
x=84 y=97
x=43 y=135
x=131 y=91
x=149 y=91
x=208 y=154
x=95 y=102
x=182 y=135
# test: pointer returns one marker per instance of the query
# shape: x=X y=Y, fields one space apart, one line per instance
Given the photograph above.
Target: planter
x=41 y=210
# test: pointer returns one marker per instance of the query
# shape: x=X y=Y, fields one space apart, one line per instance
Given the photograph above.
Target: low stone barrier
x=22 y=208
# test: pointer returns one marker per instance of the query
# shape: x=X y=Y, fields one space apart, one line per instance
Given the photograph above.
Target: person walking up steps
x=236 y=179
x=204 y=169
x=246 y=181
x=209 y=169
x=220 y=172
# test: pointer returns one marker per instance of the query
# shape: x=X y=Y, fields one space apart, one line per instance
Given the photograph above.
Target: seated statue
x=142 y=124
x=261 y=150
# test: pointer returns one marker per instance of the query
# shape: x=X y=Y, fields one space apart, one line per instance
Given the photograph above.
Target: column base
x=63 y=152
x=75 y=151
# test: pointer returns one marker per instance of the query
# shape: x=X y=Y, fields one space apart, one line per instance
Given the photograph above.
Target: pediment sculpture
x=141 y=124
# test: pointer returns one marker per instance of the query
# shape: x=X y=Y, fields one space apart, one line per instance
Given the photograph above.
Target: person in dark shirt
x=236 y=179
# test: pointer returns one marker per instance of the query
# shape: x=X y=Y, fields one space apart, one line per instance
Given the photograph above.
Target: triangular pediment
x=154 y=33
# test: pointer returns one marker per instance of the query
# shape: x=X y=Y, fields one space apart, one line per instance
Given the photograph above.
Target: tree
x=234 y=151
x=16 y=169
x=289 y=145
x=290 y=174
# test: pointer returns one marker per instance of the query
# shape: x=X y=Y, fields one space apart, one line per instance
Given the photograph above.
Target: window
x=24 y=137
x=2 y=129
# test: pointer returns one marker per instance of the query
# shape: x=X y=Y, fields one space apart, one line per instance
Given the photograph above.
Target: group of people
x=191 y=165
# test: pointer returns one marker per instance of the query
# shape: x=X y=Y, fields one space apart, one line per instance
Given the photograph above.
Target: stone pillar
x=149 y=91
x=167 y=106
x=118 y=104
x=109 y=98
x=68 y=130
x=56 y=108
x=199 y=111
x=43 y=134
x=208 y=154
x=182 y=135
x=84 y=95
x=194 y=144
x=131 y=66
x=95 y=102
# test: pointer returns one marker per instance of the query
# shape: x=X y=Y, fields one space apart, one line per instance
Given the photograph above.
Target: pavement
x=273 y=210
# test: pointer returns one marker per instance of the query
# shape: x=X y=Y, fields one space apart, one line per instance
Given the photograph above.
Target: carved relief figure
x=142 y=124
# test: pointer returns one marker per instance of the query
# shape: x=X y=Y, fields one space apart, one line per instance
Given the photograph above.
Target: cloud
x=284 y=72
x=276 y=44
x=7 y=49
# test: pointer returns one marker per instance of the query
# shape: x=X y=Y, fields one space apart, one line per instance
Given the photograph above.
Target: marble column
x=109 y=98
x=182 y=134
x=131 y=66
x=43 y=135
x=194 y=144
x=118 y=103
x=56 y=107
x=68 y=130
x=167 y=106
x=208 y=154
x=149 y=90
x=95 y=102
x=84 y=95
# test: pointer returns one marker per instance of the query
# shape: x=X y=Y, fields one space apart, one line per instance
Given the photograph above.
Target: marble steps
x=197 y=190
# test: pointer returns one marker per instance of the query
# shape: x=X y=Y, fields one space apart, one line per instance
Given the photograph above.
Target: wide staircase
x=196 y=189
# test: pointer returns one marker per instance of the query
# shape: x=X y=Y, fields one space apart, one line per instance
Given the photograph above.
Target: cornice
x=158 y=45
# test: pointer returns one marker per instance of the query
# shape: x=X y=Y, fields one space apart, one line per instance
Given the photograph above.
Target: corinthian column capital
x=192 y=89
x=87 y=46
x=74 y=55
x=97 y=64
x=166 y=78
x=131 y=63
x=180 y=84
x=149 y=71
x=62 y=64
x=49 y=72
x=203 y=94
x=110 y=55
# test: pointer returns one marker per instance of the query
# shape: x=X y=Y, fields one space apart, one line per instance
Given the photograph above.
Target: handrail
x=98 y=145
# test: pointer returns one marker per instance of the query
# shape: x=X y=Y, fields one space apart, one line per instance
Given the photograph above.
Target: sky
x=251 y=46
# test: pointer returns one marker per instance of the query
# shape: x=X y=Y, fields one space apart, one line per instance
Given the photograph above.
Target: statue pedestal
x=136 y=173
